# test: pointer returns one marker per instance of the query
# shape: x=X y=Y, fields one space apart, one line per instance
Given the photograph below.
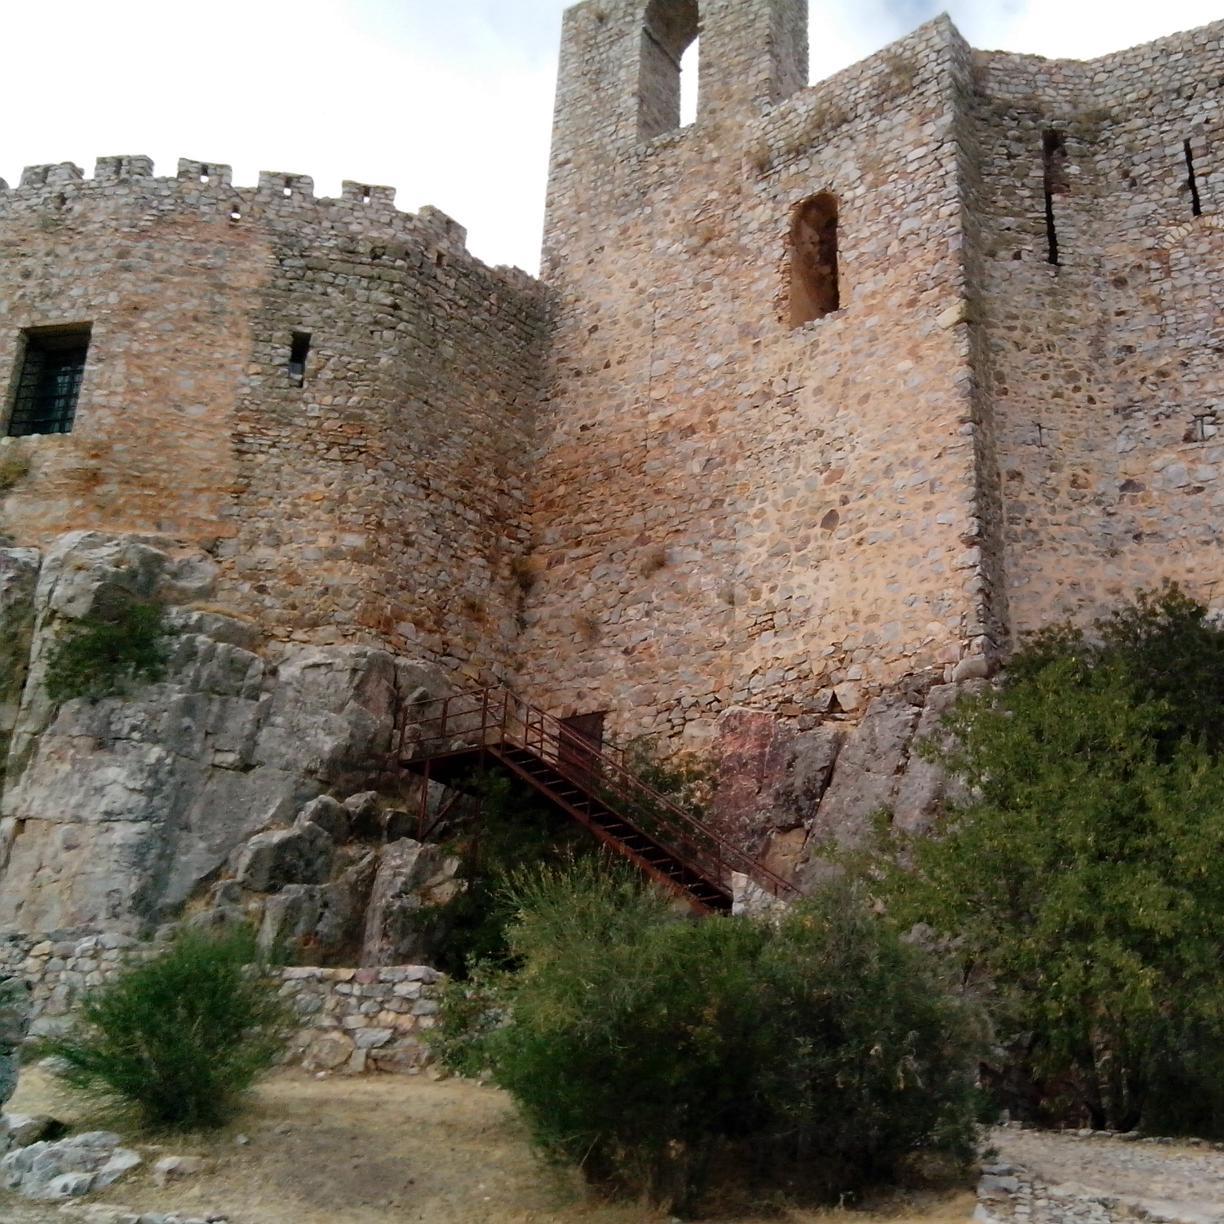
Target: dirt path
x=1121 y=1179
x=379 y=1149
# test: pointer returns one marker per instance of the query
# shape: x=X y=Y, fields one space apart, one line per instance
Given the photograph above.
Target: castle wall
x=728 y=510
x=1104 y=372
x=381 y=501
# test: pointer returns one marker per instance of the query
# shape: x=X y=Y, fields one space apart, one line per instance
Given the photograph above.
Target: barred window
x=50 y=381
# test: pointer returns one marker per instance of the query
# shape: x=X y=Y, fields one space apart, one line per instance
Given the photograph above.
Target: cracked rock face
x=116 y=811
x=14 y=1024
x=783 y=793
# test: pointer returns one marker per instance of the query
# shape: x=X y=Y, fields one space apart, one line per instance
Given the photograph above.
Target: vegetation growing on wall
x=13 y=469
x=105 y=656
x=1083 y=880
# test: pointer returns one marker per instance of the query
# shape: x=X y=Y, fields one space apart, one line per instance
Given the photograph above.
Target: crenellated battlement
x=280 y=199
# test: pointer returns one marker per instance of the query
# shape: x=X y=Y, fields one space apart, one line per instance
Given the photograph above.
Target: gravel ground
x=1044 y=1178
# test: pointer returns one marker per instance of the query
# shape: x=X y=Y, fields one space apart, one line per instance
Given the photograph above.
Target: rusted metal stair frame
x=592 y=784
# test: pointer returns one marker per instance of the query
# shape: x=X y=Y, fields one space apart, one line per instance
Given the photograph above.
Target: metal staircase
x=447 y=740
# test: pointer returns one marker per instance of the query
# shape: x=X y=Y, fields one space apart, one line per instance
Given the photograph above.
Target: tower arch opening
x=670 y=28
x=814 y=288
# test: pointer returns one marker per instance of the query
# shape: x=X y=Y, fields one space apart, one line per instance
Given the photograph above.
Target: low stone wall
x=351 y=1020
x=356 y=1020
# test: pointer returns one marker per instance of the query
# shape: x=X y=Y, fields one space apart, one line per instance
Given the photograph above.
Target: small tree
x=1083 y=880
x=818 y=1052
x=179 y=1036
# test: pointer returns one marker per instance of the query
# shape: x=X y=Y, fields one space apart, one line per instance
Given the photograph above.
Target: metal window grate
x=50 y=383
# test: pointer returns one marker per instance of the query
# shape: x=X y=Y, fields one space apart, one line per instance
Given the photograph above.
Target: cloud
x=450 y=102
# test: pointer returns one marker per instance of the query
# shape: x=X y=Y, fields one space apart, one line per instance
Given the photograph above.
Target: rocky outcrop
x=118 y=810
x=18 y=580
x=784 y=792
x=67 y=1168
x=14 y=1024
x=411 y=877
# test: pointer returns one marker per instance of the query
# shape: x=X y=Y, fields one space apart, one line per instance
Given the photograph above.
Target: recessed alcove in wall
x=814 y=282
x=669 y=30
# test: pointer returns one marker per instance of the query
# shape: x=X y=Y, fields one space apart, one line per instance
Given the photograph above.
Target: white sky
x=450 y=101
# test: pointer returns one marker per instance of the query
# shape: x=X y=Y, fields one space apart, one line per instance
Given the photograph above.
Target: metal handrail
x=493 y=716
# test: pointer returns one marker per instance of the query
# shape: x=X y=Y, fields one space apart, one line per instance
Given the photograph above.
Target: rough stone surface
x=172 y=1168
x=67 y=1168
x=14 y=1024
x=651 y=486
x=337 y=508
x=18 y=580
x=323 y=923
x=333 y=1005
x=128 y=805
x=301 y=855
x=1047 y=1178
x=410 y=876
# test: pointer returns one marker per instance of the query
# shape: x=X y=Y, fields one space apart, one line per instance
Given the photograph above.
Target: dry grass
x=383 y=1149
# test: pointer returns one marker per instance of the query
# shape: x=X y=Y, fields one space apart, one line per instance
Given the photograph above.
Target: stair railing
x=495 y=717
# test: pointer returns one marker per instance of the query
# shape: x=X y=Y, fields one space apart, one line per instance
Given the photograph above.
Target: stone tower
x=761 y=474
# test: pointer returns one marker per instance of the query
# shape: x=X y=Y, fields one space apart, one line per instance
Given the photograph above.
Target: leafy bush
x=683 y=777
x=514 y=829
x=102 y=657
x=179 y=1036
x=1083 y=879
x=818 y=1052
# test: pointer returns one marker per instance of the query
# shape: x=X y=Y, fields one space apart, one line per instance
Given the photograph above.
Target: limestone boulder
x=868 y=771
x=925 y=788
x=300 y=855
x=18 y=581
x=119 y=810
x=771 y=776
x=411 y=876
x=327 y=814
x=322 y=924
x=67 y=1168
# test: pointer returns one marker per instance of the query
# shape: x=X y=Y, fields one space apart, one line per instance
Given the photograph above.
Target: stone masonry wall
x=729 y=510
x=378 y=503
x=1104 y=371
x=351 y=1020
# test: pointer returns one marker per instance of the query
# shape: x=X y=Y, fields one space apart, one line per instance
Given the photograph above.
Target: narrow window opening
x=204 y=174
x=1196 y=202
x=287 y=189
x=49 y=385
x=236 y=213
x=690 y=77
x=1054 y=174
x=440 y=260
x=814 y=288
x=667 y=81
x=299 y=351
x=365 y=195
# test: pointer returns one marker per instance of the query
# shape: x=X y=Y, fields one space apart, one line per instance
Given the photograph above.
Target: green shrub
x=179 y=1036
x=514 y=828
x=1083 y=880
x=818 y=1053
x=102 y=657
